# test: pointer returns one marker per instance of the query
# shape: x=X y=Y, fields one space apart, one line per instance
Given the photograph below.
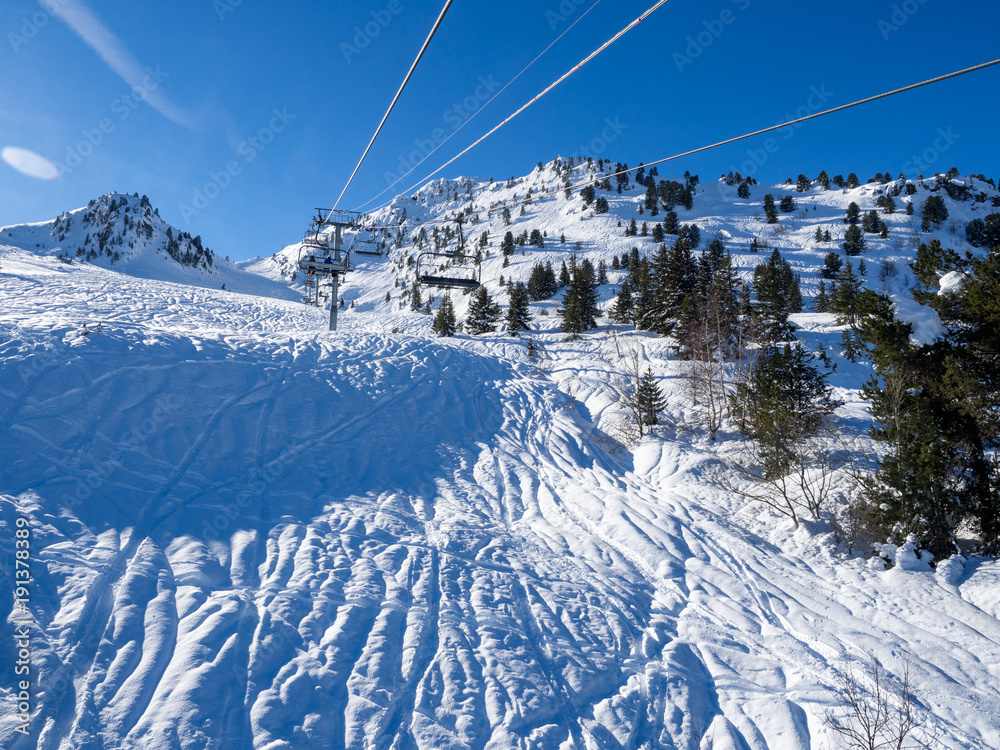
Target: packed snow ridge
x=245 y=532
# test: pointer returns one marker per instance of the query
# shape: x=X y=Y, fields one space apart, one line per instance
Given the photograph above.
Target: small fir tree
x=519 y=311
x=650 y=399
x=484 y=313
x=445 y=323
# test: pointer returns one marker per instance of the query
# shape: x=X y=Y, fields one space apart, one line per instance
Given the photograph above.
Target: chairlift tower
x=322 y=255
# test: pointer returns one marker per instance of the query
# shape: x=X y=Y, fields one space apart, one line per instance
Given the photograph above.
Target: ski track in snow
x=249 y=534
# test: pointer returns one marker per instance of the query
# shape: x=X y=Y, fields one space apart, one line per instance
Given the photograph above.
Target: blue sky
x=264 y=108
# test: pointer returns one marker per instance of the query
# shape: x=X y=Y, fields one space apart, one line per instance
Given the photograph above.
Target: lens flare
x=29 y=163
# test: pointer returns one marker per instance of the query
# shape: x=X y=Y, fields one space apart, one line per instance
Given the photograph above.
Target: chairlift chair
x=466 y=281
x=460 y=258
x=368 y=247
x=316 y=257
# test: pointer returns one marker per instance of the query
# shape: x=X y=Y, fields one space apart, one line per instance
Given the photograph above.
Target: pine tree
x=416 y=303
x=674 y=274
x=785 y=400
x=519 y=312
x=579 y=310
x=788 y=204
x=853 y=214
x=602 y=273
x=770 y=210
x=622 y=310
x=849 y=346
x=670 y=223
x=743 y=191
x=507 y=245
x=935 y=211
x=778 y=296
x=650 y=400
x=484 y=313
x=847 y=298
x=445 y=323
x=832 y=264
x=803 y=184
x=930 y=416
x=822 y=301
x=854 y=241
x=870 y=223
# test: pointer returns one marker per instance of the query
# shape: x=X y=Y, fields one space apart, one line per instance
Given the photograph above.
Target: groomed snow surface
x=249 y=533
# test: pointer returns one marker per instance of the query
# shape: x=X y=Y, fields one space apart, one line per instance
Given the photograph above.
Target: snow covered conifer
x=778 y=296
x=445 y=323
x=650 y=399
x=579 y=310
x=853 y=214
x=484 y=313
x=519 y=312
x=846 y=298
x=785 y=401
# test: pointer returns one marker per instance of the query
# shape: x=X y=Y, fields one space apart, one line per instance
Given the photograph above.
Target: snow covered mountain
x=570 y=226
x=125 y=233
x=242 y=531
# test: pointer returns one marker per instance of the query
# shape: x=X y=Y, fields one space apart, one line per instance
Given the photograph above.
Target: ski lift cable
x=841 y=108
x=406 y=80
x=789 y=123
x=572 y=70
x=479 y=111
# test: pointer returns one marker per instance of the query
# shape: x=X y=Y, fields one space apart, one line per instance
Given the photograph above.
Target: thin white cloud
x=76 y=15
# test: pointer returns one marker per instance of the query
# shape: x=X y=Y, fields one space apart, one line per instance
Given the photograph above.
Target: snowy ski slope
x=247 y=532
